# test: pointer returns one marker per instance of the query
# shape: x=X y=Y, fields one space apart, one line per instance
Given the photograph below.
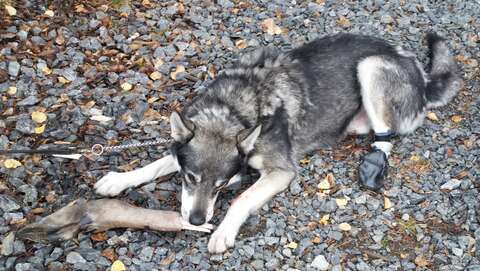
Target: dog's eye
x=190 y=178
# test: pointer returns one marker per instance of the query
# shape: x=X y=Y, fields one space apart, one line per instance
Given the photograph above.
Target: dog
x=273 y=107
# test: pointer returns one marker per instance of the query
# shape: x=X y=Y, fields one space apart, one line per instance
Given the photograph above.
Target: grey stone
x=13 y=68
x=146 y=254
x=75 y=257
x=451 y=184
x=30 y=100
x=25 y=267
x=7 y=244
x=90 y=43
x=320 y=263
x=8 y=204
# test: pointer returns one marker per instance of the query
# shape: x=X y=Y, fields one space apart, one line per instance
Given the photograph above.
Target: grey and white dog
x=272 y=108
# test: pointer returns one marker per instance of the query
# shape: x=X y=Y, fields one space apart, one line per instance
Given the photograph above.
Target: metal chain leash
x=99 y=149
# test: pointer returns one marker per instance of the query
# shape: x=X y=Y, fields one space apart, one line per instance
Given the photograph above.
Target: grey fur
x=305 y=99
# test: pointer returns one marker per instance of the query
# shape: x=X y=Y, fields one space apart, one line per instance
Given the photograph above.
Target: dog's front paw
x=221 y=240
x=112 y=184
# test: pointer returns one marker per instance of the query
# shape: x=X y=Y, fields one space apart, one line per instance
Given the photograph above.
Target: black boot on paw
x=373 y=170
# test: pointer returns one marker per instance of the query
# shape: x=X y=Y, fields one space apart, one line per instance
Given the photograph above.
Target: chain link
x=99 y=149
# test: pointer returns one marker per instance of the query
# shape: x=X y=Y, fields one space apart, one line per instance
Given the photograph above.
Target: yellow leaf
x=39 y=117
x=178 y=70
x=432 y=116
x=269 y=26
x=126 y=86
x=241 y=44
x=415 y=158
x=155 y=75
x=387 y=204
x=324 y=219
x=456 y=119
x=10 y=10
x=316 y=240
x=118 y=266
x=11 y=163
x=49 y=13
x=344 y=227
x=292 y=245
x=63 y=80
x=12 y=90
x=343 y=22
x=421 y=261
x=46 y=70
x=327 y=183
x=158 y=62
x=39 y=130
x=324 y=185
x=341 y=202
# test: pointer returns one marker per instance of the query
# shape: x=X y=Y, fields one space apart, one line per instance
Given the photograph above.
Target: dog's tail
x=444 y=75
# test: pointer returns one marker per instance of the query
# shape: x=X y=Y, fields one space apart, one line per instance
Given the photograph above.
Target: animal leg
x=373 y=80
x=248 y=202
x=101 y=215
x=114 y=182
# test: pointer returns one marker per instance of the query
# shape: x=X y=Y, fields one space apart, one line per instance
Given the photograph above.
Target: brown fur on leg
x=101 y=215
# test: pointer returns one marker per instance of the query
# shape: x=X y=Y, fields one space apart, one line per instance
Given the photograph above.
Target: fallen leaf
x=60 y=39
x=49 y=13
x=99 y=236
x=305 y=161
x=324 y=220
x=10 y=10
x=126 y=86
x=168 y=260
x=456 y=119
x=178 y=70
x=12 y=91
x=118 y=266
x=158 y=62
x=343 y=22
x=241 y=44
x=421 y=261
x=155 y=75
x=316 y=240
x=292 y=245
x=109 y=254
x=12 y=163
x=432 y=116
x=46 y=70
x=327 y=183
x=40 y=129
x=63 y=80
x=344 y=226
x=39 y=117
x=80 y=8
x=415 y=158
x=341 y=202
x=51 y=197
x=387 y=204
x=269 y=26
x=38 y=211
x=212 y=72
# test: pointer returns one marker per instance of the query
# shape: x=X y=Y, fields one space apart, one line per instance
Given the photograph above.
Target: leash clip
x=97 y=149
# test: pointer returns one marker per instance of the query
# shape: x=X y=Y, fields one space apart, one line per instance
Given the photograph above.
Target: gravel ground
x=111 y=74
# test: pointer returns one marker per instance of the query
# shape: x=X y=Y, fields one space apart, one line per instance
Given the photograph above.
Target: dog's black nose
x=197 y=219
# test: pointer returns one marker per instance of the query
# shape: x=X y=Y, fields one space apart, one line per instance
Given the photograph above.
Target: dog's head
x=209 y=161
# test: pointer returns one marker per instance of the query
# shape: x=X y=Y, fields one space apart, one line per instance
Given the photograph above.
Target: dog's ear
x=246 y=139
x=182 y=130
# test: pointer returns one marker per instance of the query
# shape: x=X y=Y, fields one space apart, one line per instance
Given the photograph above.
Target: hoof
x=373 y=170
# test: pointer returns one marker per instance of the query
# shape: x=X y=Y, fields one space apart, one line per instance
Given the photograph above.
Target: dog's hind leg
x=376 y=75
x=248 y=202
x=114 y=182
